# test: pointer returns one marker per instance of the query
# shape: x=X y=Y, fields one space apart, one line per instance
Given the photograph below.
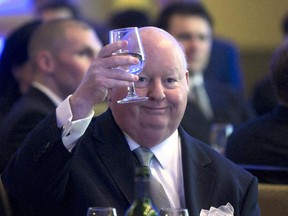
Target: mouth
x=155 y=110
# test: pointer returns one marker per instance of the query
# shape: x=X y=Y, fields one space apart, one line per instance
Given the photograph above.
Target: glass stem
x=132 y=91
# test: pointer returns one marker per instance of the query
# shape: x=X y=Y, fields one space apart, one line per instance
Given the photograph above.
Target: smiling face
x=164 y=80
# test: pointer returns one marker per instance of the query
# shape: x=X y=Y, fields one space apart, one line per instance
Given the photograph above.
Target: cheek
x=179 y=98
x=205 y=49
x=76 y=71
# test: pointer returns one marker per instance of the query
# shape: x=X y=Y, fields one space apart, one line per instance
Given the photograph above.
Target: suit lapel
x=114 y=144
x=198 y=178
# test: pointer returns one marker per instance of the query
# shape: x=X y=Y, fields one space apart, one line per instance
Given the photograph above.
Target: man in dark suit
x=60 y=53
x=191 y=25
x=69 y=162
x=262 y=141
x=227 y=107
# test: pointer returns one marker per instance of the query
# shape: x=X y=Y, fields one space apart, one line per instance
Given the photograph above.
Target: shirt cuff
x=71 y=130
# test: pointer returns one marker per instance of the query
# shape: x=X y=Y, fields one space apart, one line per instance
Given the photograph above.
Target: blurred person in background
x=59 y=9
x=129 y=18
x=65 y=9
x=16 y=74
x=263 y=98
x=210 y=100
x=60 y=52
x=263 y=140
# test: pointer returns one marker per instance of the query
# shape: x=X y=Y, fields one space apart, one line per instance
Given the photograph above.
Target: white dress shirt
x=167 y=168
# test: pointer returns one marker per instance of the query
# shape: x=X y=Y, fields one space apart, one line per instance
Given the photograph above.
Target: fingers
x=106 y=59
x=107 y=50
x=103 y=75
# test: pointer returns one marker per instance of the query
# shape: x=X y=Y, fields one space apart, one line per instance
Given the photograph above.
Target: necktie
x=202 y=100
x=157 y=191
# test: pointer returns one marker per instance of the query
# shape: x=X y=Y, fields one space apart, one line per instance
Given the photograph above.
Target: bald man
x=72 y=162
x=60 y=53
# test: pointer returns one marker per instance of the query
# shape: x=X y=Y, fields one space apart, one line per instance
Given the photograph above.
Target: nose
x=192 y=44
x=156 y=91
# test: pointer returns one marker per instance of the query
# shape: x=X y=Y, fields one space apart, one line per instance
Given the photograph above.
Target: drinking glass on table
x=101 y=211
x=219 y=133
x=135 y=49
x=174 y=212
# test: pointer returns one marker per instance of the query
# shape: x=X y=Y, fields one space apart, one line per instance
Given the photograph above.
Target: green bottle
x=142 y=204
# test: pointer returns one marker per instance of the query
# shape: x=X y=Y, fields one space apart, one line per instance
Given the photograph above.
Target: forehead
x=162 y=51
x=187 y=23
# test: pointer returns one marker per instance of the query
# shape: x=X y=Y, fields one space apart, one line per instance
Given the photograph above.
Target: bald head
x=155 y=39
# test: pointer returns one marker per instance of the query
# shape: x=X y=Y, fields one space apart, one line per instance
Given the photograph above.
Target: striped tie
x=158 y=195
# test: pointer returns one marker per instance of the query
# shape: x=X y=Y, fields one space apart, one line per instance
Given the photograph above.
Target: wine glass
x=101 y=211
x=135 y=49
x=219 y=133
x=174 y=212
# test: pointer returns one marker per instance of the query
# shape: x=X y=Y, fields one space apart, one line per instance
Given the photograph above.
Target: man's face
x=195 y=34
x=164 y=81
x=73 y=58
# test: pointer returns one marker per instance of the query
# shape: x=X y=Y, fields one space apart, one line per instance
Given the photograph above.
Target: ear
x=46 y=61
x=187 y=79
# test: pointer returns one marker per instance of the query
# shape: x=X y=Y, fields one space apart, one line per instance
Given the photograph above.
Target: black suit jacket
x=264 y=99
x=23 y=117
x=49 y=180
x=261 y=141
x=228 y=106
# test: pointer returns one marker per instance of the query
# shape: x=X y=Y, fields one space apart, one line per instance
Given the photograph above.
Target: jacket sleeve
x=38 y=172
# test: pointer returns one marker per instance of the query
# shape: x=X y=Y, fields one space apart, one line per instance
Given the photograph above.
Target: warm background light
x=254 y=25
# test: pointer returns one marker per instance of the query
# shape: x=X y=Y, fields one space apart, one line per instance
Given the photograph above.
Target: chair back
x=268 y=174
x=273 y=199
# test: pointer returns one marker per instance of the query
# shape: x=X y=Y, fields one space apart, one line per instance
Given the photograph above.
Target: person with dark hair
x=185 y=9
x=263 y=98
x=129 y=18
x=16 y=74
x=60 y=52
x=223 y=63
x=210 y=100
x=64 y=9
x=72 y=161
x=57 y=10
x=262 y=141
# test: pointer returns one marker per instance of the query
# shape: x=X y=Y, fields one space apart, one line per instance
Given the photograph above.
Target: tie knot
x=144 y=156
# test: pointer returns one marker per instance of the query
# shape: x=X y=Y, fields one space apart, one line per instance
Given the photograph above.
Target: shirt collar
x=50 y=94
x=163 y=151
x=196 y=79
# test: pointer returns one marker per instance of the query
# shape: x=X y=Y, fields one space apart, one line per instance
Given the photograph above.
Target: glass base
x=132 y=99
